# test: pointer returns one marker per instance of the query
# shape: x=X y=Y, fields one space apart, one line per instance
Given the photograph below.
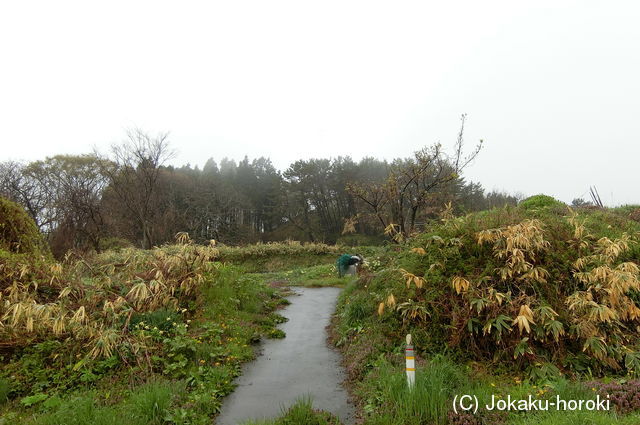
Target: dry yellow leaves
x=460 y=284
x=524 y=319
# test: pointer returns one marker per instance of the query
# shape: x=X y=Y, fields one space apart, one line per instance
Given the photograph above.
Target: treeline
x=131 y=195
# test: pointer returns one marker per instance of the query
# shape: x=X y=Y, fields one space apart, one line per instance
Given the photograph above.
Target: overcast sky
x=553 y=87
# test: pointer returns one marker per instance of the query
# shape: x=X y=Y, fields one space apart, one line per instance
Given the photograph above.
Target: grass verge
x=300 y=413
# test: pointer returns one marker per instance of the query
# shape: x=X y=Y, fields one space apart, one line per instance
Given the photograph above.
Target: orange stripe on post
x=410 y=366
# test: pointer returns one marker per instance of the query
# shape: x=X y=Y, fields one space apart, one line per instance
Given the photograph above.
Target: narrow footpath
x=302 y=364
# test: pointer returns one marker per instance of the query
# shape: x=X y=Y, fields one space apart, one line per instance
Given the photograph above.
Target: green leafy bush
x=539 y=202
x=18 y=232
x=290 y=248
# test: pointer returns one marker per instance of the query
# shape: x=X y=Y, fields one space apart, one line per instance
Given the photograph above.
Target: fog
x=552 y=87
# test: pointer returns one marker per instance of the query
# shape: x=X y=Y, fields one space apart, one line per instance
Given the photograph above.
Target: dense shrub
x=539 y=202
x=276 y=256
x=89 y=301
x=24 y=256
x=547 y=291
x=289 y=248
x=18 y=232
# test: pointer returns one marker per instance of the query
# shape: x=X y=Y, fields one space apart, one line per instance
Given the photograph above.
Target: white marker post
x=411 y=363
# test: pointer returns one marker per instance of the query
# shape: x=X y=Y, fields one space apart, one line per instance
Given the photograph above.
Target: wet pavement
x=302 y=364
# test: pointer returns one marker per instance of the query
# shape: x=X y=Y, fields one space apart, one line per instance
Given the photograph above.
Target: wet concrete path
x=287 y=369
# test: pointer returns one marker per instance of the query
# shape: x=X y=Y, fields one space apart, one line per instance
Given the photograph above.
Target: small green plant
x=150 y=403
x=5 y=388
x=357 y=309
x=161 y=319
x=300 y=413
x=33 y=399
x=277 y=333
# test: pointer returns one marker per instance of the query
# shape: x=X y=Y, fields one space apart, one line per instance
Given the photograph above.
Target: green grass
x=147 y=405
x=4 y=390
x=389 y=400
x=300 y=413
x=150 y=402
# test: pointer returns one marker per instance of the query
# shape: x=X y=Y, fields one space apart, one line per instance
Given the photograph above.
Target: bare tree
x=25 y=186
x=77 y=184
x=411 y=184
x=135 y=178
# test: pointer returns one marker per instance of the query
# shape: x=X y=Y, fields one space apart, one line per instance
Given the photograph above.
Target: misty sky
x=553 y=87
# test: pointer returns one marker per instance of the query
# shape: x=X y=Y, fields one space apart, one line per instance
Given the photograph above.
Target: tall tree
x=23 y=185
x=77 y=184
x=135 y=179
